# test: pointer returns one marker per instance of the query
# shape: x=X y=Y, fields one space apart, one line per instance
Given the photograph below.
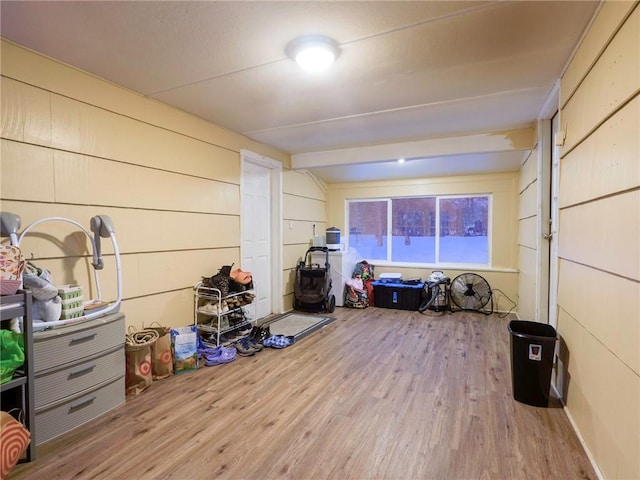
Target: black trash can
x=532 y=349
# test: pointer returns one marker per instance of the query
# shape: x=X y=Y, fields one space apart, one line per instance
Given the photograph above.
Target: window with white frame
x=423 y=230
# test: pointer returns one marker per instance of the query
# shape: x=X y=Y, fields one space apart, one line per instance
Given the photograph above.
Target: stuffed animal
x=47 y=305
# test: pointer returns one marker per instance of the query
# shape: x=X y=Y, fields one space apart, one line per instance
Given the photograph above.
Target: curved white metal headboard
x=102 y=226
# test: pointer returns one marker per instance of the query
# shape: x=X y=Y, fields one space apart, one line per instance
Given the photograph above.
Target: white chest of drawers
x=79 y=374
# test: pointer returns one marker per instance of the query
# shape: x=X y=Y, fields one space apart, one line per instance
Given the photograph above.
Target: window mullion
x=437 y=230
x=389 y=230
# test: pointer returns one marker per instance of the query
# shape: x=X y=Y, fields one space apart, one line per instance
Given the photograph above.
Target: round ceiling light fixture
x=314 y=53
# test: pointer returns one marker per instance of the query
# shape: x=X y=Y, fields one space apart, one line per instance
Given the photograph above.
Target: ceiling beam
x=502 y=141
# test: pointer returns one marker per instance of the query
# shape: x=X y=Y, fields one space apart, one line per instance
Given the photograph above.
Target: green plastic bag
x=11 y=354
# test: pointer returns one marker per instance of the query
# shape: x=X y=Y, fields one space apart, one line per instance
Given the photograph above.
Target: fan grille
x=470 y=291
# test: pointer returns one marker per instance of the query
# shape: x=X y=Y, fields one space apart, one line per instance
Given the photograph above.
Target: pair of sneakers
x=247 y=346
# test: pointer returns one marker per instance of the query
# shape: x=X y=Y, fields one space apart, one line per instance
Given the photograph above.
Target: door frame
x=548 y=175
x=558 y=140
x=275 y=240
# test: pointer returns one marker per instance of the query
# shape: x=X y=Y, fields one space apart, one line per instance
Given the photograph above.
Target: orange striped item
x=14 y=439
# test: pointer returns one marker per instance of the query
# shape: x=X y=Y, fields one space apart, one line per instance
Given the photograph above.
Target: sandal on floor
x=221 y=355
x=278 y=341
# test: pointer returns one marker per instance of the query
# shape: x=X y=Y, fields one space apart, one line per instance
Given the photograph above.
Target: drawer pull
x=81 y=403
x=81 y=370
x=83 y=338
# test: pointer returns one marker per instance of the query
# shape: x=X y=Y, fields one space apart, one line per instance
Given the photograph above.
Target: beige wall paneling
x=48 y=74
x=150 y=230
x=602 y=398
x=292 y=254
x=27 y=172
x=619 y=70
x=171 y=309
x=526 y=297
x=289 y=279
x=164 y=116
x=287 y=302
x=609 y=16
x=82 y=179
x=299 y=216
x=609 y=159
x=300 y=232
x=171 y=186
x=599 y=238
x=604 y=234
x=303 y=208
x=527 y=250
x=26 y=112
x=55 y=239
x=304 y=205
x=82 y=128
x=528 y=206
x=35 y=69
x=606 y=306
x=164 y=271
x=527 y=236
x=507 y=282
x=504 y=230
x=529 y=170
x=136 y=230
x=528 y=232
x=303 y=184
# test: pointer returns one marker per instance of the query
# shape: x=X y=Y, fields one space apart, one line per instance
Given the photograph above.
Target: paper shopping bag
x=161 y=354
x=139 y=375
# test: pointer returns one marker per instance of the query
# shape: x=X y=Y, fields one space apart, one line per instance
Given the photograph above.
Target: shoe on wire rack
x=245 y=330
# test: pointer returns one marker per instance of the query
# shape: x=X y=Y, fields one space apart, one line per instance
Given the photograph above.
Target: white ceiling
x=407 y=72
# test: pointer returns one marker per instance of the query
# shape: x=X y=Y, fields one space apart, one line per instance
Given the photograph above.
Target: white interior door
x=260 y=223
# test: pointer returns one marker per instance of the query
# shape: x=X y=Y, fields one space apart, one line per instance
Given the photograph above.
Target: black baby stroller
x=312 y=289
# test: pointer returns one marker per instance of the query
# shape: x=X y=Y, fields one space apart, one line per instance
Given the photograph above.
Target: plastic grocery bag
x=184 y=342
x=11 y=354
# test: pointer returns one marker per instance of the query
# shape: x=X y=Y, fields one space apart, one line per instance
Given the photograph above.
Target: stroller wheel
x=331 y=303
x=296 y=305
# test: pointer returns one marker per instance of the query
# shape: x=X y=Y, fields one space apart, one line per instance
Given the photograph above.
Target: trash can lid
x=528 y=329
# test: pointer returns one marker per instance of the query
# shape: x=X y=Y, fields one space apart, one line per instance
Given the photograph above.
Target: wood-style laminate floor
x=377 y=394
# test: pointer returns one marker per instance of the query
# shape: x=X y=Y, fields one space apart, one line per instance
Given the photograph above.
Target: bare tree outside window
x=424 y=230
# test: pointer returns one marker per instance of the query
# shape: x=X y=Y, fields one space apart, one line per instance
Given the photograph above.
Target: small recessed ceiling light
x=401 y=160
x=314 y=53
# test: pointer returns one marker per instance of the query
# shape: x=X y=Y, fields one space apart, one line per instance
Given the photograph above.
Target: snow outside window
x=424 y=230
